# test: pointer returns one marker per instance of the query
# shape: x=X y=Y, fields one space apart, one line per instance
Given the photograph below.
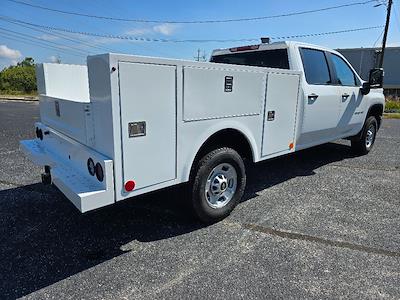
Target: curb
x=19 y=98
x=391 y=115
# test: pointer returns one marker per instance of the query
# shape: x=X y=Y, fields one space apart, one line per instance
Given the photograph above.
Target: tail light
x=91 y=167
x=99 y=172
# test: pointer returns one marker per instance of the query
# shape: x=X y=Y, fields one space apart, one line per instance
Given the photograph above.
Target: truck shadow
x=303 y=163
x=44 y=239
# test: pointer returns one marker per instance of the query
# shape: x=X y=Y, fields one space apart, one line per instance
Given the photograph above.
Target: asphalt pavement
x=320 y=223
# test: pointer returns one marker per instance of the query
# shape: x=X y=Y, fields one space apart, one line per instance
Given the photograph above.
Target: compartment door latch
x=228 y=84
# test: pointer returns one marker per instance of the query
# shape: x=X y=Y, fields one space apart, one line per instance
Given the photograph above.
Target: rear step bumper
x=68 y=167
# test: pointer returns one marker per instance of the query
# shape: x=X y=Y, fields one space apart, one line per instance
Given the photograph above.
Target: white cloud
x=49 y=37
x=165 y=29
x=9 y=53
x=139 y=31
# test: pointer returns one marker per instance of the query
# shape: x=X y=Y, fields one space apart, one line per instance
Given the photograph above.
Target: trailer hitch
x=46 y=176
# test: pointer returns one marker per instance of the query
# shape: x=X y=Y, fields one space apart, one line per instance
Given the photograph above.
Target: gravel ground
x=317 y=224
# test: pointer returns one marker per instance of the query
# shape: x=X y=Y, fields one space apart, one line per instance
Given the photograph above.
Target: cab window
x=276 y=58
x=315 y=66
x=345 y=75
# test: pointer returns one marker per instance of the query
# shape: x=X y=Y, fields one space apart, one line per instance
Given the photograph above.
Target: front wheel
x=218 y=185
x=367 y=140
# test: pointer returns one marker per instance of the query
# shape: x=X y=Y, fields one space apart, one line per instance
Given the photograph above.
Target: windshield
x=277 y=58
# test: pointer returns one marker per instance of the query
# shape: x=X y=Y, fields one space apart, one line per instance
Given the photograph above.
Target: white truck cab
x=334 y=105
x=126 y=125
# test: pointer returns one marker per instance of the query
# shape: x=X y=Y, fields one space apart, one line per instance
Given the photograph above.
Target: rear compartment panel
x=72 y=118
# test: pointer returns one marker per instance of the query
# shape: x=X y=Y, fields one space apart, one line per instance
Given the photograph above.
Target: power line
x=396 y=17
x=380 y=35
x=39 y=41
x=22 y=40
x=325 y=33
x=145 y=39
x=43 y=41
x=191 y=21
x=61 y=35
x=66 y=37
x=39 y=44
x=70 y=38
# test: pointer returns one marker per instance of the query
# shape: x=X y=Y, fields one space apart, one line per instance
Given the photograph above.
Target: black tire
x=200 y=201
x=361 y=146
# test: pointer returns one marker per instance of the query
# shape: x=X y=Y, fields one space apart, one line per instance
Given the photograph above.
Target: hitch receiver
x=46 y=176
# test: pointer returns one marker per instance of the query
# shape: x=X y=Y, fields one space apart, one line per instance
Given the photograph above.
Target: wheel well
x=229 y=137
x=376 y=110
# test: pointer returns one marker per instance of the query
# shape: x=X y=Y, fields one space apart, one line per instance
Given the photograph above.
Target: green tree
x=27 y=62
x=20 y=78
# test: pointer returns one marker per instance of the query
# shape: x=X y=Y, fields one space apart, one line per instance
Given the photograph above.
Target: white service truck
x=126 y=125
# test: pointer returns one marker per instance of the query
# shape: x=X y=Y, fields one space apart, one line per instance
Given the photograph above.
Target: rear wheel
x=367 y=139
x=218 y=185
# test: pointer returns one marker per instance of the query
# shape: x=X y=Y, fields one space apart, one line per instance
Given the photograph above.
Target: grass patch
x=392 y=106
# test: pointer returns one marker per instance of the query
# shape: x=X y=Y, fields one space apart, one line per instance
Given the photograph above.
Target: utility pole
x=200 y=57
x=389 y=8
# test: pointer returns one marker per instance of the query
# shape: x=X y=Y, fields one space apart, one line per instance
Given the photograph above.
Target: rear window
x=277 y=58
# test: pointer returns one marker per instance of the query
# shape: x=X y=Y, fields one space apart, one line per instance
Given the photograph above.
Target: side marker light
x=129 y=185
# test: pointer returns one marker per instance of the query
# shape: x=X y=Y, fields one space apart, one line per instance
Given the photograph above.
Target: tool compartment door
x=148 y=122
x=280 y=113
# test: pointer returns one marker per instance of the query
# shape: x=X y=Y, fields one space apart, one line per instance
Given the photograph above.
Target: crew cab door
x=352 y=112
x=321 y=99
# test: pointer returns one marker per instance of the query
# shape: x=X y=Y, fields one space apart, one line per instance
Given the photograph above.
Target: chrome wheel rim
x=369 y=138
x=221 y=185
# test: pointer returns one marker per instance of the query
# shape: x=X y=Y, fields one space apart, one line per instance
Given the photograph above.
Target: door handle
x=345 y=96
x=312 y=97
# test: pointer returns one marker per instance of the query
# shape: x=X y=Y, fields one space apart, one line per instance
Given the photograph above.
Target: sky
x=20 y=40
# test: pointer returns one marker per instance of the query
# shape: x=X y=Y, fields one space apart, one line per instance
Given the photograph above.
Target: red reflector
x=244 y=48
x=129 y=185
